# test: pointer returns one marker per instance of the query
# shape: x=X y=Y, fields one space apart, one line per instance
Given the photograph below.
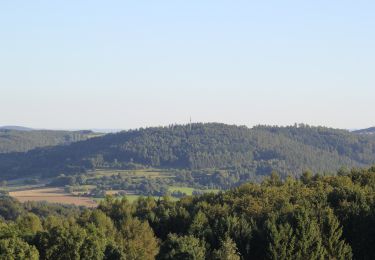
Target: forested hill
x=369 y=131
x=18 y=139
x=259 y=150
x=15 y=127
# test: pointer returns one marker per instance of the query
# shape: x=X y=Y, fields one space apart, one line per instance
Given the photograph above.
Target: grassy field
x=81 y=189
x=28 y=192
x=132 y=198
x=57 y=195
x=186 y=190
x=151 y=173
x=189 y=191
x=22 y=184
x=21 y=187
x=53 y=195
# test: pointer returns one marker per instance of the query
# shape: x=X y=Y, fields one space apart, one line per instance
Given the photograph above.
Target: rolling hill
x=370 y=131
x=15 y=127
x=20 y=139
x=254 y=151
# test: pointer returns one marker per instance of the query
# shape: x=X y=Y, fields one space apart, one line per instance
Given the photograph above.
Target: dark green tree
x=227 y=251
x=17 y=249
x=333 y=241
x=182 y=247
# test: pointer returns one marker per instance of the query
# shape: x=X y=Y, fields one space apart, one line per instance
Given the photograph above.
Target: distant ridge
x=23 y=139
x=14 y=127
x=253 y=151
x=367 y=131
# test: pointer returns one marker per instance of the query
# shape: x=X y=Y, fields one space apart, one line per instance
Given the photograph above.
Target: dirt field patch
x=52 y=195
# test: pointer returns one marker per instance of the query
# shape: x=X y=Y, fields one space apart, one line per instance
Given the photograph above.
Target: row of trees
x=314 y=217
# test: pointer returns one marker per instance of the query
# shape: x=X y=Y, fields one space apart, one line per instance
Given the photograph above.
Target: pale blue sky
x=126 y=64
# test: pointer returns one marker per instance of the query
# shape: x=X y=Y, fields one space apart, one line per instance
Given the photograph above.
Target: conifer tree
x=335 y=245
x=281 y=240
x=227 y=251
x=183 y=248
x=308 y=239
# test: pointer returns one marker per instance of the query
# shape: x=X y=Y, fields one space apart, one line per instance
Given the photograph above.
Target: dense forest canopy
x=257 y=151
x=314 y=217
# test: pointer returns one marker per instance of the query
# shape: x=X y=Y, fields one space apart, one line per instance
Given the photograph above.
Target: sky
x=127 y=64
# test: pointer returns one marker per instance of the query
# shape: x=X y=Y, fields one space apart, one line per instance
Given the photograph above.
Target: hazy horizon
x=113 y=130
x=125 y=65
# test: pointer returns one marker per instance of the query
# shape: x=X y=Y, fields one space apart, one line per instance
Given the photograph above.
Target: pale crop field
x=52 y=195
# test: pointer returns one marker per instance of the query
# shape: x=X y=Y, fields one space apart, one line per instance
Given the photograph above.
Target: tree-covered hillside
x=368 y=131
x=24 y=140
x=16 y=127
x=251 y=152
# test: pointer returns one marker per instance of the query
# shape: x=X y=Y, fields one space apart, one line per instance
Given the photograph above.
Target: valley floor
x=52 y=195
